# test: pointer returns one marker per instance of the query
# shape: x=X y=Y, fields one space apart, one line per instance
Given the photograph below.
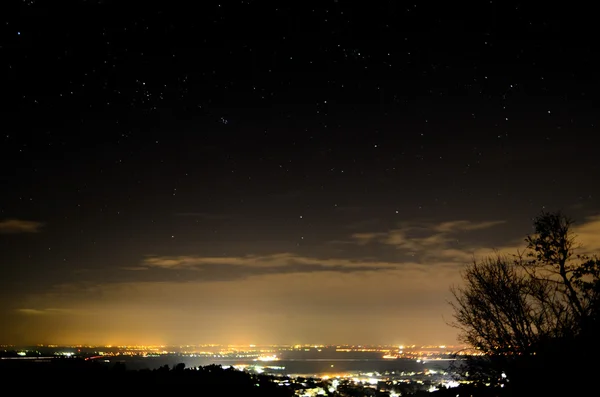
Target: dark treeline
x=75 y=375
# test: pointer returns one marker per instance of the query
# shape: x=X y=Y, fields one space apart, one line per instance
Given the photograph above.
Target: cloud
x=17 y=226
x=266 y=264
x=458 y=226
x=34 y=312
x=430 y=242
x=422 y=245
x=587 y=234
x=195 y=268
x=454 y=241
x=178 y=299
x=366 y=238
x=45 y=312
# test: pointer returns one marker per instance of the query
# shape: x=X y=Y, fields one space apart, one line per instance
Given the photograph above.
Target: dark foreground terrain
x=78 y=375
x=95 y=378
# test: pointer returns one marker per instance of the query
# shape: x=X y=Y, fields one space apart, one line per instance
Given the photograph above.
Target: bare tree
x=493 y=309
x=573 y=279
x=514 y=308
x=551 y=250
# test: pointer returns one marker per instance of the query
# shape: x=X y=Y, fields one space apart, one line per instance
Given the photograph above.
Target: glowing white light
x=267 y=358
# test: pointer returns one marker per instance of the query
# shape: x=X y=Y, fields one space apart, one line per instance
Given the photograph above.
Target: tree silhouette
x=526 y=311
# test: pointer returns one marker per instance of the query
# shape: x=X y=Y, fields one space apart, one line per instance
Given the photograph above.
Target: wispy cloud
x=588 y=234
x=46 y=312
x=462 y=226
x=424 y=245
x=280 y=261
x=18 y=226
x=451 y=242
x=32 y=312
x=189 y=268
x=433 y=242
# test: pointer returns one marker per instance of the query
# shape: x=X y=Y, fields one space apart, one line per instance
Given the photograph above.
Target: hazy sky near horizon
x=311 y=173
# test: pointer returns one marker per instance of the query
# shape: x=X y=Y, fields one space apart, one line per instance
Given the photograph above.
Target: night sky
x=280 y=172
